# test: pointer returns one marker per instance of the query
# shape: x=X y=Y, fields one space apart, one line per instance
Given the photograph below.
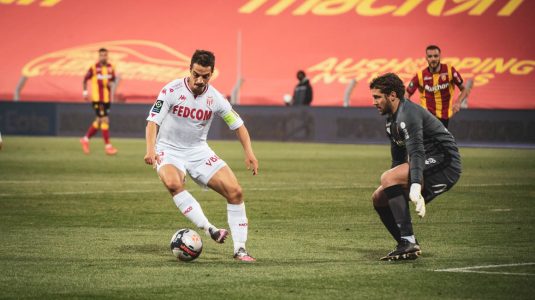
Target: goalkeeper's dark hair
x=388 y=83
x=204 y=58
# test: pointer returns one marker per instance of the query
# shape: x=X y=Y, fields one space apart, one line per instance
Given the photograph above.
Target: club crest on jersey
x=443 y=76
x=209 y=101
x=157 y=106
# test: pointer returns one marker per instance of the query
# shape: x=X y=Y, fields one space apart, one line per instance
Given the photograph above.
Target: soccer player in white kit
x=177 y=127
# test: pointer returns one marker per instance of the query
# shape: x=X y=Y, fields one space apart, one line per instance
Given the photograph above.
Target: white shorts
x=200 y=163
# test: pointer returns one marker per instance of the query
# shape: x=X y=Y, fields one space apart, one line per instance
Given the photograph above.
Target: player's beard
x=384 y=109
x=434 y=67
x=387 y=109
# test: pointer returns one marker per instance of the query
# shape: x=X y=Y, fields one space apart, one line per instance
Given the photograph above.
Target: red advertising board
x=52 y=43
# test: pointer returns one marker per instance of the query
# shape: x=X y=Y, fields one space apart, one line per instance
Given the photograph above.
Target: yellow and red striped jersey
x=436 y=89
x=101 y=76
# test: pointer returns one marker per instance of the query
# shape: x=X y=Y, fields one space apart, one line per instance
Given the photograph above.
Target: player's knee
x=385 y=179
x=235 y=195
x=174 y=186
x=379 y=198
x=375 y=198
x=388 y=179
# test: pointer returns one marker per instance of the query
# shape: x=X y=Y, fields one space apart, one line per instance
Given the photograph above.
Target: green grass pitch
x=77 y=226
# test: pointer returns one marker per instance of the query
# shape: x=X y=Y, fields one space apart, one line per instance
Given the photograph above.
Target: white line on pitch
x=77 y=193
x=193 y=189
x=476 y=269
x=272 y=188
x=276 y=184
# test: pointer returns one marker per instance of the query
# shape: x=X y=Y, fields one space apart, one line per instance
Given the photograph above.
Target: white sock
x=191 y=209
x=237 y=220
x=410 y=238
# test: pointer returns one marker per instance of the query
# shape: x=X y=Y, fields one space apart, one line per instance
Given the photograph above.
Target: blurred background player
x=177 y=126
x=303 y=90
x=102 y=76
x=424 y=153
x=436 y=84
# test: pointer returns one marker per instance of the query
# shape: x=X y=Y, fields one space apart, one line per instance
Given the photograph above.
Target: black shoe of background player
x=405 y=250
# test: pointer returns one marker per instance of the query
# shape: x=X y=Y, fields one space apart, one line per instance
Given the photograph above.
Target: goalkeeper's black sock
x=400 y=209
x=385 y=213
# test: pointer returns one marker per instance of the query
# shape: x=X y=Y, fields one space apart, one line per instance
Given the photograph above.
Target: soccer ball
x=186 y=244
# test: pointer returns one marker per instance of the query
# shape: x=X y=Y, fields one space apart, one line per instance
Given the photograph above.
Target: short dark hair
x=102 y=50
x=203 y=58
x=432 y=47
x=388 y=83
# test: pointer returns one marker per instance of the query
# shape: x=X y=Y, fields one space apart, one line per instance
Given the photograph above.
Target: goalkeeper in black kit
x=425 y=163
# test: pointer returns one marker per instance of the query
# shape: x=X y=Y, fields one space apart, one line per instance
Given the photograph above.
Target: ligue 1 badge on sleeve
x=157 y=106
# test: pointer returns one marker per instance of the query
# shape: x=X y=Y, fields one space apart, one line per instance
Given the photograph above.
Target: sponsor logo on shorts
x=157 y=106
x=243 y=224
x=211 y=160
x=439 y=188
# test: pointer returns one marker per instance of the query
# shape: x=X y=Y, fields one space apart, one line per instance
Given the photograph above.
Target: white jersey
x=185 y=119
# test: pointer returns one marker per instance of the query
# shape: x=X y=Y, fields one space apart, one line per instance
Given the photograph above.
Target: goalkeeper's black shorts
x=440 y=174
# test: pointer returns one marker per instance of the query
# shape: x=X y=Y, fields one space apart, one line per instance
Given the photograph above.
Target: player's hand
x=415 y=195
x=151 y=158
x=252 y=163
x=456 y=107
x=85 y=94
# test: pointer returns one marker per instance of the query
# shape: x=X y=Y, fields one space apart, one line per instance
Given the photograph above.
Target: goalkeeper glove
x=415 y=195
